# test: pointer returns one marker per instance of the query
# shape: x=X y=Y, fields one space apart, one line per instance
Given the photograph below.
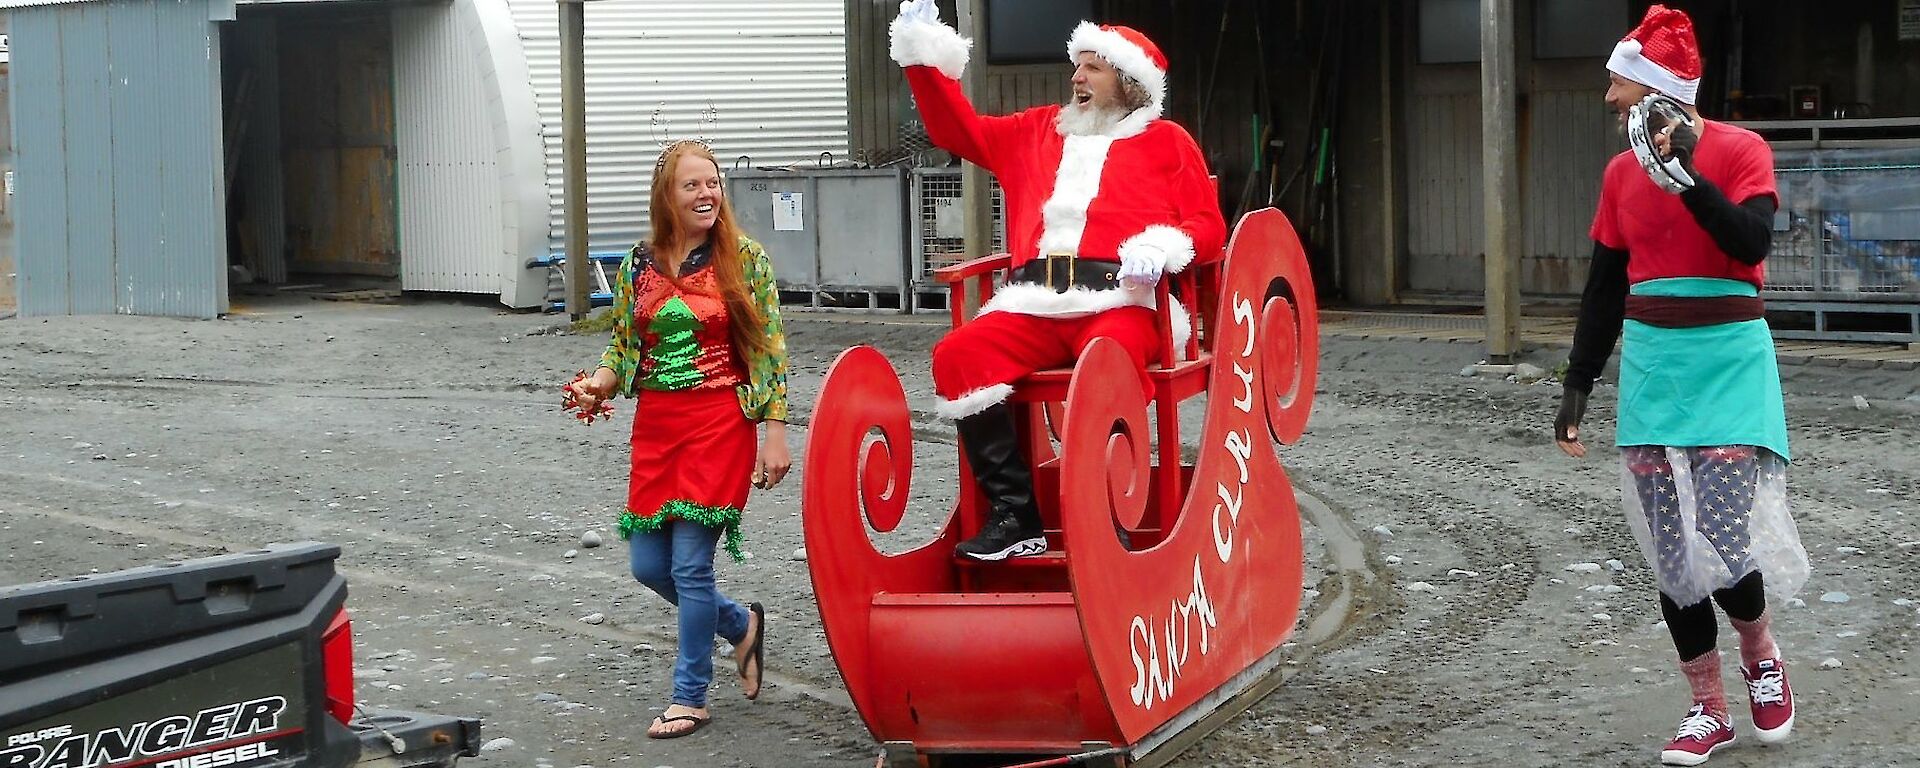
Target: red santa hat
x=1129 y=52
x=1661 y=54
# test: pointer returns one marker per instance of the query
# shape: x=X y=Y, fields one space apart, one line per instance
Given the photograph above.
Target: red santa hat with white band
x=1129 y=52
x=1661 y=54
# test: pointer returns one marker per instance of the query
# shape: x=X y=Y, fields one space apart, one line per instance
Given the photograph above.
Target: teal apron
x=1691 y=387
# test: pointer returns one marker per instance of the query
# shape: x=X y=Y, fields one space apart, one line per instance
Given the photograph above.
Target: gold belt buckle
x=1056 y=256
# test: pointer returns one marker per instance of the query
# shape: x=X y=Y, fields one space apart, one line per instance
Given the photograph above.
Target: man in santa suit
x=1102 y=199
x=1683 y=226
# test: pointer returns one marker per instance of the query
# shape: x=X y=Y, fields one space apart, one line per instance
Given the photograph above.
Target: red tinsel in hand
x=571 y=402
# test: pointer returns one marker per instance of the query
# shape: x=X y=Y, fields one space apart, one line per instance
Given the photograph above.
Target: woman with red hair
x=697 y=341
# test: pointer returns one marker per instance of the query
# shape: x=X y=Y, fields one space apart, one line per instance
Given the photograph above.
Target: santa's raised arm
x=1102 y=198
x=1102 y=177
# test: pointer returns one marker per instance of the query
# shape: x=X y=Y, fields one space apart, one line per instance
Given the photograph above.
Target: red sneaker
x=1700 y=734
x=1771 y=697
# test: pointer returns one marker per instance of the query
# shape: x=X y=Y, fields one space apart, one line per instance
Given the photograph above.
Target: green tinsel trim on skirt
x=712 y=517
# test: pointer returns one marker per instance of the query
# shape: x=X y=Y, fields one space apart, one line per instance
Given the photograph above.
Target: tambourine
x=1654 y=114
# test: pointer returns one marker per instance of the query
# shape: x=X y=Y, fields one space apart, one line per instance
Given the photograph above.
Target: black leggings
x=1694 y=629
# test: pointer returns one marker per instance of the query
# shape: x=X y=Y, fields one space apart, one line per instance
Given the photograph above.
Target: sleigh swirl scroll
x=859 y=472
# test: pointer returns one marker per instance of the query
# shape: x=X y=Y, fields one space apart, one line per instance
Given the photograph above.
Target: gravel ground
x=1445 y=625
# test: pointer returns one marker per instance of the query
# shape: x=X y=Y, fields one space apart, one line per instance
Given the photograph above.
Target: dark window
x=1566 y=29
x=1032 y=31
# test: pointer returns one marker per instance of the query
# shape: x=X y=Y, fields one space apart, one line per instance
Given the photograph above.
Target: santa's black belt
x=1694 y=311
x=1062 y=272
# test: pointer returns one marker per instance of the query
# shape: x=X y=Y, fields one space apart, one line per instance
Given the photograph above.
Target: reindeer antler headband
x=662 y=133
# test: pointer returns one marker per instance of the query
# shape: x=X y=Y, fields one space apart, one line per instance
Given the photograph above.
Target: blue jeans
x=677 y=563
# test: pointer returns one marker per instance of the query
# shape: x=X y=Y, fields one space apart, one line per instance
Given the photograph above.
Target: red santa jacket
x=1091 y=195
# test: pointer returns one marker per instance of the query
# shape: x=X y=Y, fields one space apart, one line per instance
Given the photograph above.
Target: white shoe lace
x=1698 y=727
x=1769 y=688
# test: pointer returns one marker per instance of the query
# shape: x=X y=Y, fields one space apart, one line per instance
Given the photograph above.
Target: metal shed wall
x=450 y=227
x=774 y=72
x=1569 y=136
x=119 y=180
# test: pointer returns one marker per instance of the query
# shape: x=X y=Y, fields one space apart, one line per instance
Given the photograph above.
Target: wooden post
x=1391 y=192
x=976 y=194
x=573 y=126
x=1500 y=171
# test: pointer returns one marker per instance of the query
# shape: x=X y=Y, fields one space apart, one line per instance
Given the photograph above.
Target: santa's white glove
x=920 y=11
x=1141 y=264
x=917 y=38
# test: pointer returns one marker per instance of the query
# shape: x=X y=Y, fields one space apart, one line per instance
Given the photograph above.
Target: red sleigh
x=1169 y=588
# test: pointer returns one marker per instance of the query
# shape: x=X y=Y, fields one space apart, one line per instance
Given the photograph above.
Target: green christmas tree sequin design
x=672 y=361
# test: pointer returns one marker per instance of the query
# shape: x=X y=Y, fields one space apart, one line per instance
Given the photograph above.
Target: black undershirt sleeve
x=1743 y=231
x=1603 y=306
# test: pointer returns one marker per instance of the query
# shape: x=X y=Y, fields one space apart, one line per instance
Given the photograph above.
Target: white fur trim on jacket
x=1130 y=59
x=1172 y=242
x=1136 y=122
x=1041 y=301
x=973 y=402
x=1629 y=62
x=1063 y=220
x=917 y=43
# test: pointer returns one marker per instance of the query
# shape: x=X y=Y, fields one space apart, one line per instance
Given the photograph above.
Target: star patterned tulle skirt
x=1706 y=517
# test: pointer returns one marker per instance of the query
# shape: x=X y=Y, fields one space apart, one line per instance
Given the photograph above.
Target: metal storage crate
x=847 y=247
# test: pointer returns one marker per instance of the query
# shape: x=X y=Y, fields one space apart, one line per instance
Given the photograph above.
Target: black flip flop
x=757 y=653
x=698 y=723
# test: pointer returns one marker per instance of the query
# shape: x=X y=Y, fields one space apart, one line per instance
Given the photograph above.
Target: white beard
x=1088 y=120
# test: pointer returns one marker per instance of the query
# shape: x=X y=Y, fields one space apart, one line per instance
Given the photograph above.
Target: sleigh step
x=995 y=672
x=972 y=599
x=1051 y=559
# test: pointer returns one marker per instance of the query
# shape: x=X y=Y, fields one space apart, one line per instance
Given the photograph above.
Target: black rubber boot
x=1013 y=527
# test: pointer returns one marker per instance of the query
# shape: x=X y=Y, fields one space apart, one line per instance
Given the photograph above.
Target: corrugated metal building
x=417 y=143
x=117 y=126
x=7 y=301
x=763 y=80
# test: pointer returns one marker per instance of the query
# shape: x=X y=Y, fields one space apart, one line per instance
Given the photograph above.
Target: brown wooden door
x=337 y=100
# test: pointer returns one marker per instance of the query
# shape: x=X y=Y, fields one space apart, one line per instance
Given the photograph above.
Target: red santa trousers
x=975 y=365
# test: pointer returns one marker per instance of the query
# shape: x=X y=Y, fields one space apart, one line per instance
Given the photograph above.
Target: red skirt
x=693 y=454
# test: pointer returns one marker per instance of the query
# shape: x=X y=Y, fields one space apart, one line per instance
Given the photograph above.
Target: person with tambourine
x=1683 y=228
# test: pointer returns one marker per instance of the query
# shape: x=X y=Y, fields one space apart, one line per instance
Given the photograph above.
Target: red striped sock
x=1756 y=638
x=1703 y=675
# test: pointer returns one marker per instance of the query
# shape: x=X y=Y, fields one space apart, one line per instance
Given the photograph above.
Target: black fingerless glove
x=1573 y=408
x=1681 y=143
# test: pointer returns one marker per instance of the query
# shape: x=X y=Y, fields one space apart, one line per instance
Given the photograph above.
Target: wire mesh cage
x=1849 y=227
x=939 y=227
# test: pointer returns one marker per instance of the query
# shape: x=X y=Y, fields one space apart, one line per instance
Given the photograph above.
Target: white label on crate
x=787 y=210
x=947 y=221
